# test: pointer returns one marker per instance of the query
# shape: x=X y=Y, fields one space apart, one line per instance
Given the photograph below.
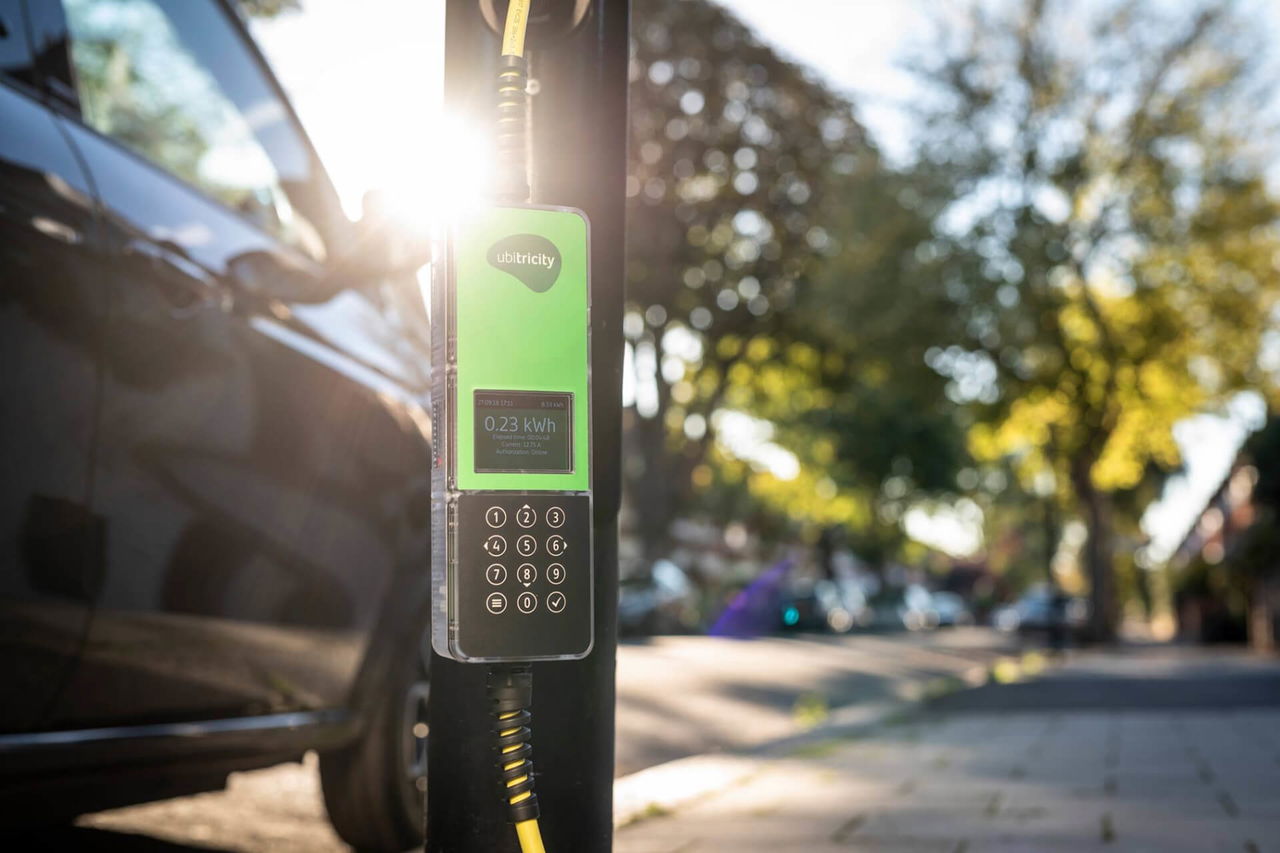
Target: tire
x=375 y=788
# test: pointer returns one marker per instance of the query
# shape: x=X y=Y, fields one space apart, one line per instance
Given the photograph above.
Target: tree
x=767 y=239
x=1110 y=236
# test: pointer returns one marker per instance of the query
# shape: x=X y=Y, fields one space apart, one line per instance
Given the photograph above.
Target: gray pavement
x=1159 y=750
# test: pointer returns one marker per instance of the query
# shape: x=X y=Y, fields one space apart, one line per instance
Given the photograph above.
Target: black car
x=214 y=440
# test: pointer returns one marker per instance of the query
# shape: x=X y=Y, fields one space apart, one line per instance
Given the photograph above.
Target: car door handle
x=187 y=286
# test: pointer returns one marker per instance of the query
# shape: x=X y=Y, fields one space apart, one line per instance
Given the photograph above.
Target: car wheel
x=375 y=788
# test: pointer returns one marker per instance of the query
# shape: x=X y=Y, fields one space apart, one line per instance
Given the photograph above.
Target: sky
x=373 y=108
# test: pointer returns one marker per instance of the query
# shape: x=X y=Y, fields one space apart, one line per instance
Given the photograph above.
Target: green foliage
x=771 y=270
x=1110 y=236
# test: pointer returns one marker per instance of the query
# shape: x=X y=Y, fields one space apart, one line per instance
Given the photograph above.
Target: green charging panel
x=522 y=324
x=511 y=490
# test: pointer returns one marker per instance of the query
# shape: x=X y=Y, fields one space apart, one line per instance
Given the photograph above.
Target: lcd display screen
x=519 y=432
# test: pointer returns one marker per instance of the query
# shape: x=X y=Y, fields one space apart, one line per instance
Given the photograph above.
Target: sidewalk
x=1162 y=750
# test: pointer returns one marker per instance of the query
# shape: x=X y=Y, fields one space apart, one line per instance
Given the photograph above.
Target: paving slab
x=1108 y=777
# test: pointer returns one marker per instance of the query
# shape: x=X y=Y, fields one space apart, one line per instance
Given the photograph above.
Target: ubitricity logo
x=531 y=258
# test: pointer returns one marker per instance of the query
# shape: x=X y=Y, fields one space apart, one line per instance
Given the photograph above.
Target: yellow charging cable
x=510 y=690
x=513 y=34
x=526 y=830
x=511 y=133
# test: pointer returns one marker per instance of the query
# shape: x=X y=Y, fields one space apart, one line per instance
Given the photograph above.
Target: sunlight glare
x=438 y=177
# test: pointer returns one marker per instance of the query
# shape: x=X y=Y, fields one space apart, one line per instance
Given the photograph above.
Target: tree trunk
x=1262 y=636
x=647 y=477
x=1095 y=506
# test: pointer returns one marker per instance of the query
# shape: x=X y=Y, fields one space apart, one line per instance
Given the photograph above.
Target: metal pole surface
x=579 y=157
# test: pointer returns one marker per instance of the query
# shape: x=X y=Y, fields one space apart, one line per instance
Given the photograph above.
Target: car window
x=171 y=80
x=15 y=53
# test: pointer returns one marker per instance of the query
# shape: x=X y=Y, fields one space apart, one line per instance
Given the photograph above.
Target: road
x=677 y=696
x=681 y=696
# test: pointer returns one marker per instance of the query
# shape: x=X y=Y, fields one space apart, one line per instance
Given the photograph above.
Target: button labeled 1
x=556 y=546
x=495 y=516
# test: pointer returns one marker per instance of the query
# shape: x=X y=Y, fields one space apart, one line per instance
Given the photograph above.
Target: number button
x=556 y=601
x=496 y=574
x=526 y=545
x=495 y=516
x=495 y=546
x=555 y=517
x=556 y=546
x=525 y=516
x=526 y=574
x=527 y=602
x=495 y=603
x=555 y=574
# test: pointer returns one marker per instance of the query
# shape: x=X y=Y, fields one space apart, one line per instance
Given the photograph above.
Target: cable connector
x=511 y=142
x=510 y=696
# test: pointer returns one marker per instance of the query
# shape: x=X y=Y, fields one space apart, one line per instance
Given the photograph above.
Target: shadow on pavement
x=86 y=840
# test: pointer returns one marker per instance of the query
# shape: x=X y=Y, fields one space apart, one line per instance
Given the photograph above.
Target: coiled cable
x=510 y=696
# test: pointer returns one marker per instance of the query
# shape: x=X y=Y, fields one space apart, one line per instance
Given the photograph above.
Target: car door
x=51 y=314
x=257 y=478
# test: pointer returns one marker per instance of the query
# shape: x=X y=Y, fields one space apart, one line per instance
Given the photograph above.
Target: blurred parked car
x=1035 y=612
x=910 y=607
x=661 y=601
x=824 y=605
x=952 y=610
x=215 y=501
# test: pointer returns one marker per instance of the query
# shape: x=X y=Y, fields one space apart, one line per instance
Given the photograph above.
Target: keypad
x=523 y=574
